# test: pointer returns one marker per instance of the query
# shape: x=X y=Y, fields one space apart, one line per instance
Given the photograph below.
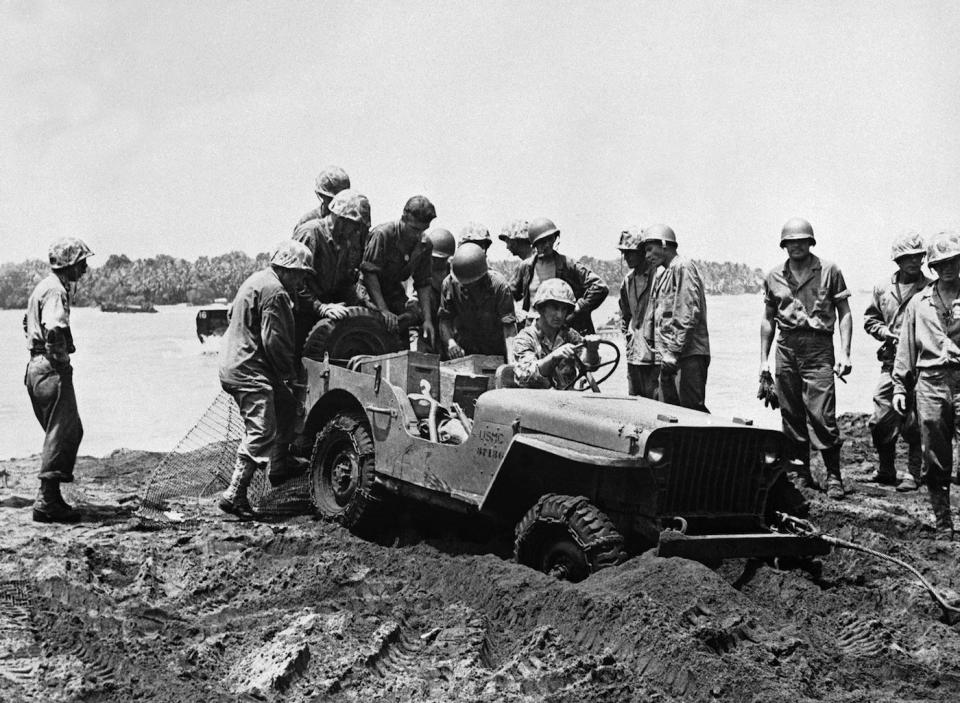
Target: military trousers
x=643 y=380
x=886 y=424
x=54 y=401
x=269 y=424
x=938 y=408
x=688 y=386
x=806 y=390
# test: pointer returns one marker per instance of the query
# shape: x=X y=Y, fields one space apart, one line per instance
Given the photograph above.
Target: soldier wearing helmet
x=336 y=243
x=636 y=315
x=49 y=375
x=475 y=233
x=589 y=290
x=476 y=307
x=330 y=181
x=679 y=332
x=444 y=246
x=259 y=367
x=882 y=321
x=928 y=359
x=395 y=252
x=546 y=353
x=516 y=236
x=804 y=297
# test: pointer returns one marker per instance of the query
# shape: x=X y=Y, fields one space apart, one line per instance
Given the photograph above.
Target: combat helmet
x=555 y=290
x=907 y=244
x=351 y=205
x=631 y=240
x=796 y=229
x=290 y=254
x=515 y=229
x=659 y=233
x=67 y=251
x=476 y=233
x=469 y=263
x=331 y=181
x=541 y=228
x=943 y=247
x=443 y=243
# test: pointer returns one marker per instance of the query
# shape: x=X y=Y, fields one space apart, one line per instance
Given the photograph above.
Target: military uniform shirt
x=258 y=346
x=680 y=311
x=636 y=314
x=47 y=320
x=588 y=288
x=395 y=258
x=884 y=314
x=929 y=338
x=809 y=304
x=336 y=262
x=530 y=345
x=478 y=312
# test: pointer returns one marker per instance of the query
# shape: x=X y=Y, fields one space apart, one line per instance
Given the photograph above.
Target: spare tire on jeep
x=361 y=331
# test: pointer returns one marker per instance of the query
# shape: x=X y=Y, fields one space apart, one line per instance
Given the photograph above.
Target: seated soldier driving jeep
x=548 y=353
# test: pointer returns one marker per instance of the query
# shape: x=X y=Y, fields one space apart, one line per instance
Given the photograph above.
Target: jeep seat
x=505 y=377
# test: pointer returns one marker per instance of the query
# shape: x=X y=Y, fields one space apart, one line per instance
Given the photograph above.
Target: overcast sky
x=196 y=128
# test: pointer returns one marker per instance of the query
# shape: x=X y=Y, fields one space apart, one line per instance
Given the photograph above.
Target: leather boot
x=887 y=471
x=49 y=505
x=911 y=481
x=831 y=460
x=940 y=502
x=234 y=499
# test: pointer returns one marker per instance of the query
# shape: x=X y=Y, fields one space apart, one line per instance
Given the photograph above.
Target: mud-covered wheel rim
x=340 y=474
x=563 y=559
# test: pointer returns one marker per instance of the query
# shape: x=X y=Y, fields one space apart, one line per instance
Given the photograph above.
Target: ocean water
x=143 y=380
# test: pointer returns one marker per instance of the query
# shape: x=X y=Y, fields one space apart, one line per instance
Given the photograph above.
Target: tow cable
x=806 y=528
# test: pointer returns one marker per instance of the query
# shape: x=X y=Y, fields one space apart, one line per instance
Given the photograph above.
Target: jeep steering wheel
x=583 y=372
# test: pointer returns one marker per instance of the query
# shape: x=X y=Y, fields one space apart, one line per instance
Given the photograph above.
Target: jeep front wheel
x=567 y=537
x=342 y=473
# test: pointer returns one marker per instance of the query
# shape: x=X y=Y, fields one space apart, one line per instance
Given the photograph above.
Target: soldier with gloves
x=395 y=252
x=636 y=316
x=444 y=246
x=928 y=359
x=476 y=307
x=588 y=288
x=549 y=353
x=804 y=297
x=260 y=369
x=882 y=321
x=336 y=243
x=330 y=181
x=49 y=375
x=679 y=331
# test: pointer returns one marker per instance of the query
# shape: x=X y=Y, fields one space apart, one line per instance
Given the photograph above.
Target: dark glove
x=768 y=391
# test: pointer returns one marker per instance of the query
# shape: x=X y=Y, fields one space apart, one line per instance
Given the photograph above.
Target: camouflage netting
x=187 y=481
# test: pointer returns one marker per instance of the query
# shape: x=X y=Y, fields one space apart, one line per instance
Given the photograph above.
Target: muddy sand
x=300 y=610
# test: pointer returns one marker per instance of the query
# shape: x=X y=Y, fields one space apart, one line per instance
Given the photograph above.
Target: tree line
x=165 y=280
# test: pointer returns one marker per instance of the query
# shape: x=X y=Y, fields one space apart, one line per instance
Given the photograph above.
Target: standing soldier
x=397 y=251
x=680 y=338
x=517 y=238
x=336 y=243
x=882 y=320
x=476 y=307
x=635 y=315
x=444 y=245
x=330 y=181
x=49 y=376
x=804 y=297
x=588 y=288
x=259 y=368
x=928 y=357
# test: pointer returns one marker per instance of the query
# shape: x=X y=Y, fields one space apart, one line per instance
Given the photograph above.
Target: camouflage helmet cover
x=516 y=229
x=631 y=239
x=907 y=244
x=659 y=233
x=556 y=290
x=443 y=242
x=796 y=229
x=331 y=181
x=475 y=233
x=351 y=205
x=290 y=254
x=469 y=264
x=943 y=247
x=67 y=251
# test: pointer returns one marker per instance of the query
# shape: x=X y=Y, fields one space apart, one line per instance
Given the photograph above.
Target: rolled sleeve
x=448 y=303
x=838 y=286
x=421 y=272
x=375 y=253
x=526 y=363
x=505 y=307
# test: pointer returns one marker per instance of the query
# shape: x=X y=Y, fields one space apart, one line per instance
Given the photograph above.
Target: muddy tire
x=362 y=331
x=343 y=474
x=784 y=497
x=568 y=537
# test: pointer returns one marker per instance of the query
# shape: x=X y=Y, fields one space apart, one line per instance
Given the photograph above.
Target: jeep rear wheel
x=343 y=475
x=359 y=332
x=567 y=537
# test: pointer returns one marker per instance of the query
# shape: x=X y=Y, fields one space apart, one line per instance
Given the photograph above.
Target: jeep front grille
x=711 y=473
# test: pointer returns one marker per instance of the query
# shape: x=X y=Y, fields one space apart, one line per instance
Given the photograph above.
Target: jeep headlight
x=656 y=454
